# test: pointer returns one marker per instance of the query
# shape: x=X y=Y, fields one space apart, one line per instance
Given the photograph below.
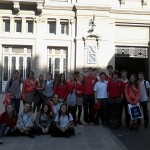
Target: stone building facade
x=61 y=36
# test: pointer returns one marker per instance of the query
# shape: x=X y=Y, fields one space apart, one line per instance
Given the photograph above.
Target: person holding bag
x=132 y=93
x=71 y=99
x=13 y=91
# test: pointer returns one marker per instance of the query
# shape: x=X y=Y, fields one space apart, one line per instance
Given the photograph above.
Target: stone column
x=12 y=25
x=24 y=26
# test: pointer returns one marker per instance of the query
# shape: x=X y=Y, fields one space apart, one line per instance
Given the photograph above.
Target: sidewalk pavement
x=86 y=138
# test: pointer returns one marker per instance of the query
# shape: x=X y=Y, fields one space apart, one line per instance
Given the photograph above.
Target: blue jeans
x=2 y=129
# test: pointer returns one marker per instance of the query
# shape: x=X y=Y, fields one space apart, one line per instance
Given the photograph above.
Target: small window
x=18 y=25
x=64 y=27
x=52 y=26
x=29 y=26
x=6 y=23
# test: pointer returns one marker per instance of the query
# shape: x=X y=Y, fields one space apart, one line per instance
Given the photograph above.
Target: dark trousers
x=58 y=133
x=145 y=113
x=88 y=103
x=79 y=111
x=16 y=103
x=115 y=109
x=38 y=130
x=38 y=100
x=2 y=129
x=125 y=108
x=103 y=112
x=72 y=110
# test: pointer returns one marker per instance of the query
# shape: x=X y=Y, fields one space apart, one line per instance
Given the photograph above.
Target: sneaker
x=1 y=141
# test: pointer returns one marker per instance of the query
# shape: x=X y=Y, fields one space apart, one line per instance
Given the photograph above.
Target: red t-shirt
x=10 y=121
x=89 y=83
x=61 y=91
x=79 y=89
x=108 y=78
x=70 y=86
x=115 y=89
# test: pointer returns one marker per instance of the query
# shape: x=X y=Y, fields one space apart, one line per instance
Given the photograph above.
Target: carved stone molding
x=16 y=7
x=93 y=37
x=39 y=7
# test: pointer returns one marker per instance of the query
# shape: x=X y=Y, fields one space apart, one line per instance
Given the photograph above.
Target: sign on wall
x=91 y=54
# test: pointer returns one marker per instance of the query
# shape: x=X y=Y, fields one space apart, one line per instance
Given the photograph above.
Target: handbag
x=7 y=100
x=135 y=111
x=72 y=98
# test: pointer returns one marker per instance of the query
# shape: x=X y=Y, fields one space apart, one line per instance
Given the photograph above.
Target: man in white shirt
x=144 y=97
x=100 y=90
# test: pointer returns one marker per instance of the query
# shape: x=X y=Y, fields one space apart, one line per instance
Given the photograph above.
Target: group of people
x=99 y=96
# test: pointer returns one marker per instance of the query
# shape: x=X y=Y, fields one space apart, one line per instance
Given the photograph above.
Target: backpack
x=147 y=89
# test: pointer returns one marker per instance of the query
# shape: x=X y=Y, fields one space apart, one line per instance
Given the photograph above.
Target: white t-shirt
x=56 y=108
x=143 y=93
x=101 y=89
x=64 y=120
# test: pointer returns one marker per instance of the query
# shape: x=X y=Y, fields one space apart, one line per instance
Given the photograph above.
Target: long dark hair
x=13 y=113
x=42 y=109
x=135 y=82
x=58 y=81
x=60 y=112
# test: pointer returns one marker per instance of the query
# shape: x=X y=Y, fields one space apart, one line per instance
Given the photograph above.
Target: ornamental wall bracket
x=16 y=7
x=92 y=24
x=39 y=7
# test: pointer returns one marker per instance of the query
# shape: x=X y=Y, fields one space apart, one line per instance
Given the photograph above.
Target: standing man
x=115 y=95
x=124 y=79
x=100 y=89
x=110 y=72
x=144 y=86
x=13 y=87
x=88 y=101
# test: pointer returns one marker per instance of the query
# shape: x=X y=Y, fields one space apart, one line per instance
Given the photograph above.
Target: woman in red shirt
x=132 y=93
x=8 y=121
x=60 y=88
x=79 y=92
x=28 y=88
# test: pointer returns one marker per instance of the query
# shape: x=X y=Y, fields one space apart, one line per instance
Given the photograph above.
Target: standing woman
x=39 y=96
x=60 y=88
x=132 y=93
x=8 y=121
x=28 y=88
x=48 y=87
x=71 y=84
x=79 y=92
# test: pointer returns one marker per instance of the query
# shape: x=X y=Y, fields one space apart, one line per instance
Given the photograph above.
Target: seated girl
x=43 y=120
x=64 y=123
x=25 y=121
x=55 y=105
x=8 y=121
